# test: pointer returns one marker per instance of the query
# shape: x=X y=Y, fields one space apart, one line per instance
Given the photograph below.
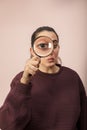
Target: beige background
x=18 y=20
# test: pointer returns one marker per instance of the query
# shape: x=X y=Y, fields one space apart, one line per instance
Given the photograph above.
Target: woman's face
x=50 y=60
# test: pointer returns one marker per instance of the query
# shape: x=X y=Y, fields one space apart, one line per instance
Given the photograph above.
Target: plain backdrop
x=18 y=20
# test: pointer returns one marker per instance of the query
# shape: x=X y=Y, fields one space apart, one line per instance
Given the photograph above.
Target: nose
x=52 y=52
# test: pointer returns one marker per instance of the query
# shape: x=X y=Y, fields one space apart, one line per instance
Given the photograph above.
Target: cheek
x=43 y=60
x=56 y=52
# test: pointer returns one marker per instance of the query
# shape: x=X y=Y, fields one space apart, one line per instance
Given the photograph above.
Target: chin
x=50 y=64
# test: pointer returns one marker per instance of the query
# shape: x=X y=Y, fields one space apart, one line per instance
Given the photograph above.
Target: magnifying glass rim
x=38 y=38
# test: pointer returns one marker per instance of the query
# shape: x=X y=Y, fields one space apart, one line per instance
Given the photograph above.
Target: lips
x=50 y=59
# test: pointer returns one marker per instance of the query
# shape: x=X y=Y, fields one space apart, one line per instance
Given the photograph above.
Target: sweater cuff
x=23 y=88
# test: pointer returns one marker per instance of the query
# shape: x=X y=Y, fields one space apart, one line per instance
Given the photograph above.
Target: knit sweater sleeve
x=82 y=119
x=15 y=113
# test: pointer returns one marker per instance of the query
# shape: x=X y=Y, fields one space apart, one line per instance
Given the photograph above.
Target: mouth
x=50 y=59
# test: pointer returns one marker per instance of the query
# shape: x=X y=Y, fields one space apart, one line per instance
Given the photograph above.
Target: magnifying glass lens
x=43 y=46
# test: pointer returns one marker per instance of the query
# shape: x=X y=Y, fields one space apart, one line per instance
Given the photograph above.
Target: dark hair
x=40 y=29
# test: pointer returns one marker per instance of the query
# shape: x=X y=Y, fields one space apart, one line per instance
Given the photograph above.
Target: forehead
x=50 y=34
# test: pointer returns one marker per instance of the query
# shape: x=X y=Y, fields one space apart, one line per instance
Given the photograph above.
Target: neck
x=50 y=70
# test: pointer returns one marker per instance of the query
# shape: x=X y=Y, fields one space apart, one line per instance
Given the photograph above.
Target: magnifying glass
x=43 y=46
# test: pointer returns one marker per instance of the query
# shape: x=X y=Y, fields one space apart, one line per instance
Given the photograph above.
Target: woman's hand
x=30 y=69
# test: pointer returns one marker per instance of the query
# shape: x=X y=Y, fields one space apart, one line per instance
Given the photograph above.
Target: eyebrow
x=55 y=41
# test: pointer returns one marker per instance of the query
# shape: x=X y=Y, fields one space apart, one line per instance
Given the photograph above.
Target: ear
x=32 y=52
x=58 y=46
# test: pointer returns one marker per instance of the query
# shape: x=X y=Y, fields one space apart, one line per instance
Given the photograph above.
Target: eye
x=55 y=43
x=43 y=45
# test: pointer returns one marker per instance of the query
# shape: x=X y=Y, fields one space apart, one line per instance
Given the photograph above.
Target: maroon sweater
x=48 y=102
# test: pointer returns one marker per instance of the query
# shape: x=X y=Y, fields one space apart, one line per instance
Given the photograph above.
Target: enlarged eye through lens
x=43 y=46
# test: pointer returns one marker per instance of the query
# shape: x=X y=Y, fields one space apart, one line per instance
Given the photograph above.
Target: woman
x=46 y=95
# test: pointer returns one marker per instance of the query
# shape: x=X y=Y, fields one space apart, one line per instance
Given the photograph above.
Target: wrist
x=25 y=80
